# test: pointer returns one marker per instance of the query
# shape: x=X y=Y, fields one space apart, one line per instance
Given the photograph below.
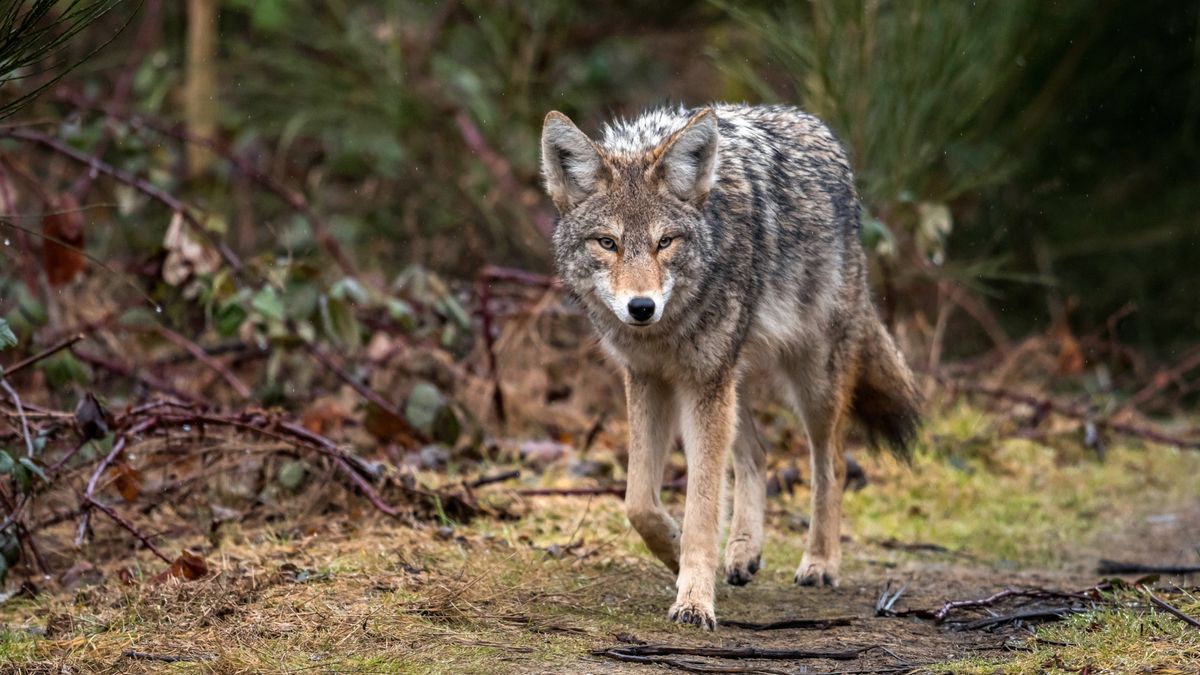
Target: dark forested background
x=1040 y=155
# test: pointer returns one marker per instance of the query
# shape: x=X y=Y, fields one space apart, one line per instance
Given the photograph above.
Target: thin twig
x=1171 y=609
x=124 y=370
x=150 y=190
x=363 y=390
x=20 y=413
x=292 y=198
x=44 y=354
x=120 y=520
x=88 y=496
x=203 y=357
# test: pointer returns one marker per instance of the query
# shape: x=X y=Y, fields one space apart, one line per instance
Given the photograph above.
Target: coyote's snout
x=634 y=279
x=709 y=247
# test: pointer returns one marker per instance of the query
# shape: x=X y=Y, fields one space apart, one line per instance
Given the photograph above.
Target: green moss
x=16 y=646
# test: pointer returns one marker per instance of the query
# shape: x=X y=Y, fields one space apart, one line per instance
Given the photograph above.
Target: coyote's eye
x=665 y=242
x=607 y=243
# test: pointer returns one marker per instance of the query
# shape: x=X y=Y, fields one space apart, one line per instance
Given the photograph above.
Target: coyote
x=711 y=248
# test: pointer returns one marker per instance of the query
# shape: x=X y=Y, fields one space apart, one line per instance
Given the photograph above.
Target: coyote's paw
x=741 y=563
x=815 y=571
x=694 y=613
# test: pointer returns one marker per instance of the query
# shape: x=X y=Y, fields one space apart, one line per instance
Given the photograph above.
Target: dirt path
x=341 y=590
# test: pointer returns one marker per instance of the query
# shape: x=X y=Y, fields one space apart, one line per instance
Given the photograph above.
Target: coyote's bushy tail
x=885 y=397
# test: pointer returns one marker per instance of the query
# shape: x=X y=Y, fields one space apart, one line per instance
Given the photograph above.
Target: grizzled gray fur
x=712 y=248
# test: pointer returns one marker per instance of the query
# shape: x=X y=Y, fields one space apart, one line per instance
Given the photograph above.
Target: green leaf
x=268 y=303
x=6 y=462
x=340 y=323
x=63 y=370
x=424 y=405
x=452 y=309
x=22 y=479
x=34 y=469
x=7 y=337
x=402 y=313
x=291 y=474
x=349 y=288
x=300 y=299
x=230 y=317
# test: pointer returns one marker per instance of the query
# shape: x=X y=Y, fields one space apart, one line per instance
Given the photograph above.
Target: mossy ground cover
x=538 y=594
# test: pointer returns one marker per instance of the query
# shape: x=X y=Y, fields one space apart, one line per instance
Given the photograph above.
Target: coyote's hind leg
x=824 y=408
x=743 y=549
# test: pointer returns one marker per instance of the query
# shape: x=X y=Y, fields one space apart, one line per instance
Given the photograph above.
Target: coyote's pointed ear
x=571 y=163
x=687 y=161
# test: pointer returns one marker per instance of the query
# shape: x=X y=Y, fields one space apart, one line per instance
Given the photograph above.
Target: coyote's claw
x=694 y=614
x=742 y=572
x=817 y=572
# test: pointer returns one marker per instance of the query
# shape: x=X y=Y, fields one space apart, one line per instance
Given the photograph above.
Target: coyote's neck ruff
x=711 y=246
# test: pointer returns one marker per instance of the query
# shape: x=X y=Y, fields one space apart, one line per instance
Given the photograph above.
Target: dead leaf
x=91 y=419
x=186 y=256
x=324 y=415
x=188 y=566
x=128 y=482
x=1070 y=354
x=63 y=261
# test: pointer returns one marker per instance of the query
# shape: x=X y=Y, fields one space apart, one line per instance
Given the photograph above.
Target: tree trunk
x=200 y=91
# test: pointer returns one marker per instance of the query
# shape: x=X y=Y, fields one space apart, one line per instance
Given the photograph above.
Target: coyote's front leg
x=709 y=424
x=652 y=423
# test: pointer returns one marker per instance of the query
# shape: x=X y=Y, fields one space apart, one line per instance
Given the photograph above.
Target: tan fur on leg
x=652 y=422
x=709 y=425
x=825 y=418
x=743 y=550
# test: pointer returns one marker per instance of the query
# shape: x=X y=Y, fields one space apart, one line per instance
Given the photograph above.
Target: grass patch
x=1122 y=640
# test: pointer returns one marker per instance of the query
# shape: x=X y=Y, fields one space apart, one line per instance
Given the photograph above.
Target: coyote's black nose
x=641 y=309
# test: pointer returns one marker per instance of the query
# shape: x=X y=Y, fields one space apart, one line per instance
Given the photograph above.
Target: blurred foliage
x=1010 y=142
x=1040 y=154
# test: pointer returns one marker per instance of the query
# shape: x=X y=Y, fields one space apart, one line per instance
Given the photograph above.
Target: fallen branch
x=1171 y=609
x=788 y=624
x=740 y=653
x=164 y=658
x=498 y=478
x=1031 y=593
x=1050 y=613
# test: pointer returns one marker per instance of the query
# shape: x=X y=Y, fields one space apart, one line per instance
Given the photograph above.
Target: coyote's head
x=630 y=239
